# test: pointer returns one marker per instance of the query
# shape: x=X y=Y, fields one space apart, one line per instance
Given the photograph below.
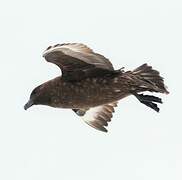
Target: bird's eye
x=34 y=92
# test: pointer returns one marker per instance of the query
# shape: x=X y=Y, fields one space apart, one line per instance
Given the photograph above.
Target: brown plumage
x=91 y=87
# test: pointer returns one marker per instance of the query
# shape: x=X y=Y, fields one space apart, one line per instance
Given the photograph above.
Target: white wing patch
x=98 y=117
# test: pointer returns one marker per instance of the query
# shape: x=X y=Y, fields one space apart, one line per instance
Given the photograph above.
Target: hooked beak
x=28 y=104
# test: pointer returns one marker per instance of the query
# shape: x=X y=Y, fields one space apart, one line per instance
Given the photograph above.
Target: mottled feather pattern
x=89 y=84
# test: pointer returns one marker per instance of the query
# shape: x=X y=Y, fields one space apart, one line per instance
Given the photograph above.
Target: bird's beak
x=28 y=104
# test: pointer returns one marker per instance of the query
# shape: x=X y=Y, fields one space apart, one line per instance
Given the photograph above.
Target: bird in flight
x=91 y=87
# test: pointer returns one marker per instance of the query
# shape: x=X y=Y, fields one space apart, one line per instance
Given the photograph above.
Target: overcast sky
x=44 y=143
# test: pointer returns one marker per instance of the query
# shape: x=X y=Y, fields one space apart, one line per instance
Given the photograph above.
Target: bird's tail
x=149 y=80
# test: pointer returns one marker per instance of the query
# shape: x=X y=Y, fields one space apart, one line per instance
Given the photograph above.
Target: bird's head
x=38 y=96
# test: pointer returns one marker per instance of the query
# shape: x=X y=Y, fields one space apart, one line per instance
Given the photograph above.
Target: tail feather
x=151 y=76
x=149 y=100
x=152 y=105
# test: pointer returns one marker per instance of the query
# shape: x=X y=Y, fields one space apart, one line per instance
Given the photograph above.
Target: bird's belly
x=91 y=92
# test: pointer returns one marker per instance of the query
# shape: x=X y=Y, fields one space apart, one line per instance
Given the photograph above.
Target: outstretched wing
x=97 y=117
x=77 y=60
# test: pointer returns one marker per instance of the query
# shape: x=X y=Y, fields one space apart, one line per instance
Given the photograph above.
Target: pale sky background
x=44 y=143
